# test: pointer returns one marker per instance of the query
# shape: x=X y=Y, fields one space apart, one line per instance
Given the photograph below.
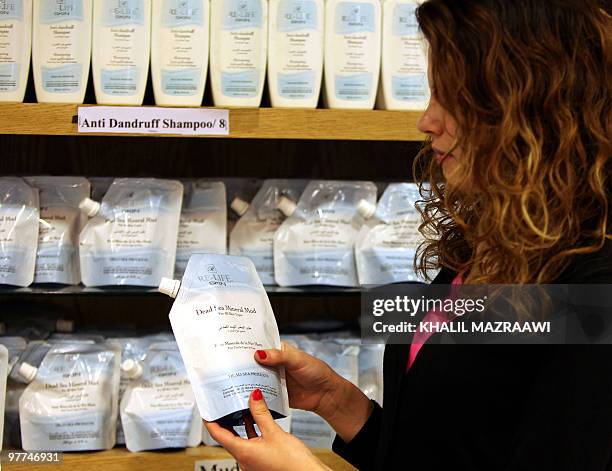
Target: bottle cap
x=366 y=209
x=239 y=206
x=27 y=372
x=90 y=207
x=286 y=206
x=64 y=325
x=169 y=286
x=132 y=368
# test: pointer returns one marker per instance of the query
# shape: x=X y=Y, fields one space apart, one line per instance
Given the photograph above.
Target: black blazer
x=494 y=407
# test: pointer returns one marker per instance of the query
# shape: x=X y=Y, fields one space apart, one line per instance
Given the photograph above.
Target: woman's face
x=440 y=126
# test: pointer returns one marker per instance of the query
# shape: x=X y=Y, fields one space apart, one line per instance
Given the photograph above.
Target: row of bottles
x=349 y=42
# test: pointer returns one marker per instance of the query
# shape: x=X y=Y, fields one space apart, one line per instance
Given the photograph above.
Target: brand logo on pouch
x=212 y=277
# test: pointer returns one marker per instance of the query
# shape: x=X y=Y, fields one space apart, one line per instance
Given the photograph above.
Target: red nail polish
x=262 y=354
x=257 y=395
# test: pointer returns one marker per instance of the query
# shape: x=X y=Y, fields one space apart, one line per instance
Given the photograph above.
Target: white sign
x=153 y=120
x=216 y=465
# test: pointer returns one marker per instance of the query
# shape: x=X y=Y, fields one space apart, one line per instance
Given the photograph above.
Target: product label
x=61 y=29
x=199 y=231
x=240 y=84
x=263 y=259
x=11 y=10
x=181 y=82
x=160 y=409
x=55 y=11
x=123 y=44
x=222 y=313
x=9 y=76
x=384 y=266
x=13 y=40
x=408 y=60
x=404 y=21
x=18 y=239
x=57 y=245
x=153 y=120
x=68 y=406
x=183 y=47
x=353 y=17
x=65 y=79
x=410 y=87
x=242 y=41
x=356 y=50
x=123 y=12
x=216 y=465
x=240 y=14
x=296 y=15
x=123 y=82
x=354 y=87
x=299 y=48
x=182 y=13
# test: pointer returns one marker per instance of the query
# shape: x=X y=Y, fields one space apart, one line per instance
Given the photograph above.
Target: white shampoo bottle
x=121 y=46
x=404 y=83
x=15 y=47
x=61 y=49
x=352 y=53
x=238 y=50
x=295 y=52
x=179 y=51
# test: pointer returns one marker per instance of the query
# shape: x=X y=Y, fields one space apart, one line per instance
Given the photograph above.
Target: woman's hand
x=274 y=450
x=314 y=386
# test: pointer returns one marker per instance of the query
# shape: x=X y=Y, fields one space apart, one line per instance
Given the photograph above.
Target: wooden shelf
x=258 y=123
x=119 y=459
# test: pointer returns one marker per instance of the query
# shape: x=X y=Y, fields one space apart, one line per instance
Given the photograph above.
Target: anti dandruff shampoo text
x=120 y=55
x=220 y=317
x=352 y=53
x=295 y=52
x=238 y=48
x=15 y=46
x=404 y=83
x=179 y=51
x=61 y=49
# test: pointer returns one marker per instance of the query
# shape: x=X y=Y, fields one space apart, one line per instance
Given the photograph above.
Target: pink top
x=421 y=337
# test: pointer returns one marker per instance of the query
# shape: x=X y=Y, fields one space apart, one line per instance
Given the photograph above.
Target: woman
x=518 y=125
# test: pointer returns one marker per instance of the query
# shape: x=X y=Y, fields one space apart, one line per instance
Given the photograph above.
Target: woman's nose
x=431 y=121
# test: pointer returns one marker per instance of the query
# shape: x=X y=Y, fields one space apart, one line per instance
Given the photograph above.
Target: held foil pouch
x=315 y=245
x=131 y=239
x=18 y=231
x=57 y=258
x=386 y=244
x=203 y=222
x=70 y=403
x=253 y=234
x=158 y=409
x=221 y=315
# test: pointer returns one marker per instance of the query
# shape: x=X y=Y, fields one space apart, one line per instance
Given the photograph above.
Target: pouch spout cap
x=169 y=286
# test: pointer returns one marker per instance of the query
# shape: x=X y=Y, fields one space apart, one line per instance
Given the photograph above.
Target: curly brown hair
x=528 y=83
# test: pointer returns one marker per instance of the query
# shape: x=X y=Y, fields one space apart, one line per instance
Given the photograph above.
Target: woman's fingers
x=249 y=425
x=288 y=356
x=261 y=414
x=232 y=443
